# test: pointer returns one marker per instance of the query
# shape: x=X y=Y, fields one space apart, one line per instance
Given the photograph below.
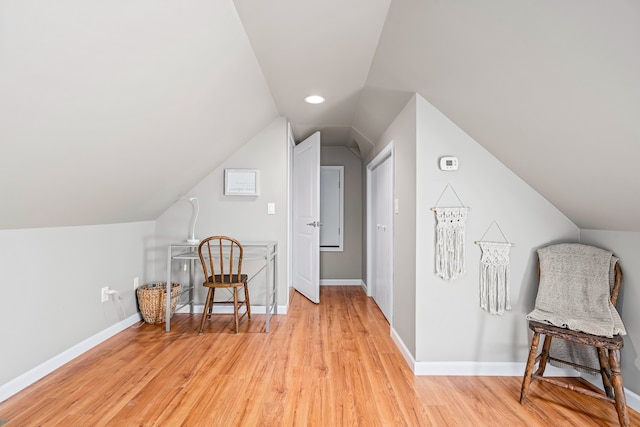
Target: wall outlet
x=104 y=297
x=136 y=282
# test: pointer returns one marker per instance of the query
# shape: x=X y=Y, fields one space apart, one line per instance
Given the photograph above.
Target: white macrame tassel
x=450 y=262
x=494 y=277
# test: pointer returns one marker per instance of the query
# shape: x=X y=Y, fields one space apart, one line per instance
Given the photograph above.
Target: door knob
x=315 y=224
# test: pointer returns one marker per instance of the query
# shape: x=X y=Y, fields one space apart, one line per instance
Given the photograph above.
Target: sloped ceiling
x=110 y=111
x=550 y=88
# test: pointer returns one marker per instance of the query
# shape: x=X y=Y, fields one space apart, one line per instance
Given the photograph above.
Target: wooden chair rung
x=575 y=365
x=582 y=390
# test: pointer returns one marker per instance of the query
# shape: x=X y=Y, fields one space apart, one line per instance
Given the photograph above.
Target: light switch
x=271 y=208
x=395 y=207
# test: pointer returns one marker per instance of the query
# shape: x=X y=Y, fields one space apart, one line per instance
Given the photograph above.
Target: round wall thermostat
x=448 y=163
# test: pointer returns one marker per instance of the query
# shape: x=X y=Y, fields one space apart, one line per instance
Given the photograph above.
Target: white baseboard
x=21 y=382
x=404 y=351
x=483 y=369
x=341 y=282
x=503 y=369
x=633 y=399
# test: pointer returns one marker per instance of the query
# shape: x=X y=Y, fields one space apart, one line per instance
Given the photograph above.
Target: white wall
x=626 y=246
x=402 y=132
x=428 y=311
x=493 y=192
x=50 y=283
x=348 y=263
x=241 y=217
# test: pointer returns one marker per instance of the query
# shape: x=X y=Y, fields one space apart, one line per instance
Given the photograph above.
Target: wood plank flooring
x=332 y=364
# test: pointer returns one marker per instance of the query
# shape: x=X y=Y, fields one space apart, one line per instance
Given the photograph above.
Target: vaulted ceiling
x=110 y=111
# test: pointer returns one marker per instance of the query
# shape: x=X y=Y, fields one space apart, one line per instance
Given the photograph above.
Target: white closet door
x=382 y=218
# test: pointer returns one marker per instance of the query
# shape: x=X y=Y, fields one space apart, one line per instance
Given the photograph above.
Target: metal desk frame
x=189 y=252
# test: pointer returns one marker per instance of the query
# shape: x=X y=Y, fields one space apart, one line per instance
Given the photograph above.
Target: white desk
x=266 y=251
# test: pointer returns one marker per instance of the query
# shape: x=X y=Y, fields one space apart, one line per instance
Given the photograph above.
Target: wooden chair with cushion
x=221 y=259
x=606 y=348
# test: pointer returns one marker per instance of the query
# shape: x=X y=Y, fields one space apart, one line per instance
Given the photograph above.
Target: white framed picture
x=241 y=182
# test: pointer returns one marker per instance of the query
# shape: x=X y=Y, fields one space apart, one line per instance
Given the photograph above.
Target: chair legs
x=235 y=309
x=605 y=372
x=544 y=356
x=209 y=301
x=609 y=368
x=618 y=388
x=531 y=361
x=247 y=302
x=208 y=308
x=237 y=304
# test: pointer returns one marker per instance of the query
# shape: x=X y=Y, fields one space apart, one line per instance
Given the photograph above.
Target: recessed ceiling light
x=314 y=99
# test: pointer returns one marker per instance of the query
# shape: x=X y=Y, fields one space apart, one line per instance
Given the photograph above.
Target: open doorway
x=343 y=266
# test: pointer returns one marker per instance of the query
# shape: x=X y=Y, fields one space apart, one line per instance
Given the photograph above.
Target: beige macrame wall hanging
x=450 y=242
x=494 y=274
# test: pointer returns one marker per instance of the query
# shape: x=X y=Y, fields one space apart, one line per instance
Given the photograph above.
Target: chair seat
x=227 y=281
x=614 y=343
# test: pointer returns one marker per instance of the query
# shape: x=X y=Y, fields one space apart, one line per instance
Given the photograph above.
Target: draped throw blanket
x=574 y=292
x=450 y=227
x=494 y=277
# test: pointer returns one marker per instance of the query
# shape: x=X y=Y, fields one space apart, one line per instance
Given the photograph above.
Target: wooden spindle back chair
x=221 y=259
x=607 y=350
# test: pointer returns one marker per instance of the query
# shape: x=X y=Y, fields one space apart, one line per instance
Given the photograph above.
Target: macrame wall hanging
x=494 y=274
x=450 y=227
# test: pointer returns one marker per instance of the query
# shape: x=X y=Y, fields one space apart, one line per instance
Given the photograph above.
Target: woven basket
x=152 y=301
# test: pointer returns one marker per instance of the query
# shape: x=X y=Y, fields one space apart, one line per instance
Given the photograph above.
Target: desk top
x=192 y=253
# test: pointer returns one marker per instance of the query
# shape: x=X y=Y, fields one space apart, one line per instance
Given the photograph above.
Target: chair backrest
x=221 y=259
x=617 y=283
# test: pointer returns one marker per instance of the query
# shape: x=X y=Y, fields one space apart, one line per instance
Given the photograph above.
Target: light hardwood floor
x=332 y=364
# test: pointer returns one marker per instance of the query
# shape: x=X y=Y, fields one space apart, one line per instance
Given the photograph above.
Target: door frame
x=291 y=143
x=387 y=153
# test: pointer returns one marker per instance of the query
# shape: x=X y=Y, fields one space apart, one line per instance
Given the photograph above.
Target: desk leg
x=271 y=297
x=275 y=282
x=192 y=282
x=168 y=295
x=267 y=306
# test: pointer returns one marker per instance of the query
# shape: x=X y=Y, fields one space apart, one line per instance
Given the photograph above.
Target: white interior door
x=382 y=235
x=306 y=217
